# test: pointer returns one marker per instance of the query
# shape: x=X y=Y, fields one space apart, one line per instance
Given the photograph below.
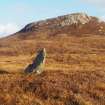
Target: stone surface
x=38 y=63
x=76 y=18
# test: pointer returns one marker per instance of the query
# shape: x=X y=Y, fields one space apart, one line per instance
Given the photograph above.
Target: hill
x=74 y=72
x=74 y=41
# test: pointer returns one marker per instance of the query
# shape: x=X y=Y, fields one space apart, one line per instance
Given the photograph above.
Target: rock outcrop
x=38 y=63
x=61 y=21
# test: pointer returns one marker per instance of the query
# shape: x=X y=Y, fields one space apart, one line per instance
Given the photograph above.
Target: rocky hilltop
x=61 y=21
x=72 y=24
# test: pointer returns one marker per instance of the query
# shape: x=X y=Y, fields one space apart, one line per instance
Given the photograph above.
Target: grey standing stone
x=38 y=63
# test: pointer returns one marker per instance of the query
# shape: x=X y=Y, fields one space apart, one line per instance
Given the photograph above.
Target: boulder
x=38 y=63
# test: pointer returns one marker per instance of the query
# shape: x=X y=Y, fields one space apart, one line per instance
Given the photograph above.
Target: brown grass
x=74 y=72
x=66 y=53
x=52 y=88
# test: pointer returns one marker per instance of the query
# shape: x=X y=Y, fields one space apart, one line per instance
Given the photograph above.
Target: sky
x=15 y=14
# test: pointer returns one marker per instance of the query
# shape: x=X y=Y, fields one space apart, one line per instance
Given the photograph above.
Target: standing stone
x=38 y=63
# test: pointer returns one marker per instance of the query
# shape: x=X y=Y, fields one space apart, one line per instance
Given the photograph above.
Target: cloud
x=98 y=3
x=7 y=29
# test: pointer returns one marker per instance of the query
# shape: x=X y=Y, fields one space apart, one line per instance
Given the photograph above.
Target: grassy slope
x=74 y=71
x=66 y=53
